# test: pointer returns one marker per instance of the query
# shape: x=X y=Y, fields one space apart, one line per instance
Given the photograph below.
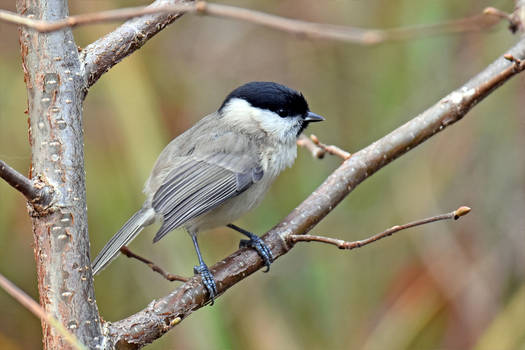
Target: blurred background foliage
x=451 y=285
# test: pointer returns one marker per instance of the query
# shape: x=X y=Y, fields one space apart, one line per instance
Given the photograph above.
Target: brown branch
x=514 y=19
x=169 y=276
x=38 y=195
x=39 y=312
x=103 y=54
x=98 y=57
x=319 y=149
x=164 y=313
x=315 y=150
x=341 y=244
x=304 y=28
x=517 y=20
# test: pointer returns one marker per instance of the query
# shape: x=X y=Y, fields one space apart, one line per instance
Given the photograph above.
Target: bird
x=219 y=169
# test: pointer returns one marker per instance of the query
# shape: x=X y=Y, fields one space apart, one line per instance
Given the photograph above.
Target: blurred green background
x=449 y=285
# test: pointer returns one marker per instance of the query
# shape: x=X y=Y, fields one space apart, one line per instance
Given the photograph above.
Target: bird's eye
x=282 y=112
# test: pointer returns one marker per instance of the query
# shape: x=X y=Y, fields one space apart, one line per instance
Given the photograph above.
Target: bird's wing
x=200 y=184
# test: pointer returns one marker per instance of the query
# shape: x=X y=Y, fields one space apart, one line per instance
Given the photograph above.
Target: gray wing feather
x=129 y=231
x=198 y=186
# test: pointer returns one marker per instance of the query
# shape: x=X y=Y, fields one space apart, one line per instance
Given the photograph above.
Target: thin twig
x=514 y=19
x=34 y=194
x=303 y=28
x=315 y=150
x=169 y=276
x=330 y=149
x=339 y=243
x=319 y=149
x=39 y=312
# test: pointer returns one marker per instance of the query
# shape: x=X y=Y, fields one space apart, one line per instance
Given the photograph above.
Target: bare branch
x=518 y=16
x=514 y=19
x=304 y=28
x=164 y=313
x=319 y=149
x=98 y=57
x=315 y=150
x=39 y=312
x=109 y=50
x=169 y=276
x=19 y=182
x=341 y=244
x=103 y=54
x=90 y=18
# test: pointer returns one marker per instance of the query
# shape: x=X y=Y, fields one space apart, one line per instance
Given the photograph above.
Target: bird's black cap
x=275 y=97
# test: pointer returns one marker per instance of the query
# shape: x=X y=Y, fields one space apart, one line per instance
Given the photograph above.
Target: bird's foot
x=257 y=243
x=207 y=279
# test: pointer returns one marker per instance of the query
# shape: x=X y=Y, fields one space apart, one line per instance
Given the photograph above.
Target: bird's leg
x=204 y=272
x=255 y=242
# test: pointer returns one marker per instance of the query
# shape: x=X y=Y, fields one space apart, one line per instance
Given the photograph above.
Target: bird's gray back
x=209 y=141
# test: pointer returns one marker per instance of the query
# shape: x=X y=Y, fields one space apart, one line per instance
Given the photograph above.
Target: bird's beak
x=312 y=117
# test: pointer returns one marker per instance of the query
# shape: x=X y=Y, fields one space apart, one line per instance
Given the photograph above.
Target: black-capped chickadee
x=219 y=169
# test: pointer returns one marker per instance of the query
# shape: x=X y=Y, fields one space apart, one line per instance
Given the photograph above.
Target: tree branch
x=169 y=276
x=37 y=195
x=98 y=57
x=39 y=312
x=319 y=149
x=163 y=314
x=488 y=18
x=341 y=244
x=103 y=54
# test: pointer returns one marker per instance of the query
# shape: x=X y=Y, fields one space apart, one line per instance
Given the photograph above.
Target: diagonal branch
x=98 y=57
x=36 y=195
x=39 y=312
x=156 y=268
x=163 y=314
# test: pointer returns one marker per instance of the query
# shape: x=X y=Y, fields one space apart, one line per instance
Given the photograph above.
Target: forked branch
x=319 y=149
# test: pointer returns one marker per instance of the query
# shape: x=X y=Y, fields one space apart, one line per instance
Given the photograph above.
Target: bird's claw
x=264 y=251
x=207 y=280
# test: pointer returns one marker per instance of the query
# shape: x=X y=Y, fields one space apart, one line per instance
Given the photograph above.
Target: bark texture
x=61 y=243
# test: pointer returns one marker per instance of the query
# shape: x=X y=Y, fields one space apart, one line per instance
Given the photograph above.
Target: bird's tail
x=130 y=230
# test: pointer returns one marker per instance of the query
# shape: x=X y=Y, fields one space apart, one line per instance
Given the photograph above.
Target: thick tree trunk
x=55 y=92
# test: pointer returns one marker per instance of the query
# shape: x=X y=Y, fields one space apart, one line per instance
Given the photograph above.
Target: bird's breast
x=278 y=157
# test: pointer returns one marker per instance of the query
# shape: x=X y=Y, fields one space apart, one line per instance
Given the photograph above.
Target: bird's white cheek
x=283 y=129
